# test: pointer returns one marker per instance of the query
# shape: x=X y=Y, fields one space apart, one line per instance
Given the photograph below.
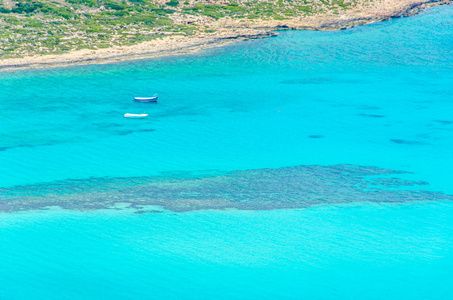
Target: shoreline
x=228 y=30
x=168 y=46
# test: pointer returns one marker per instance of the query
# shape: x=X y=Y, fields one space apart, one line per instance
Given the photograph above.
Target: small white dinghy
x=135 y=115
x=146 y=99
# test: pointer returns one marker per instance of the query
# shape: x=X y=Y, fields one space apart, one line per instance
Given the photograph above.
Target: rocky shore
x=226 y=30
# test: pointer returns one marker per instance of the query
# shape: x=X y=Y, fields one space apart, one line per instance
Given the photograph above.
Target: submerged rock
x=262 y=189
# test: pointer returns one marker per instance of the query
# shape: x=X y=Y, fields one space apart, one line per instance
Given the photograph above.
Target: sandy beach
x=227 y=30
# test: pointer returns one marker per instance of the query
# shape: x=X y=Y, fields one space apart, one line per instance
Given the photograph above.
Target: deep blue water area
x=350 y=131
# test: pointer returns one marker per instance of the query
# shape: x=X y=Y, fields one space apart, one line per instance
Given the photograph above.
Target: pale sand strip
x=169 y=45
x=227 y=30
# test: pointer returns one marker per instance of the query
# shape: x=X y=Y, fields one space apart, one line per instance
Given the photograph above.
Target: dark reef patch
x=127 y=132
x=316 y=136
x=393 y=182
x=24 y=146
x=262 y=189
x=407 y=142
x=371 y=116
x=444 y=122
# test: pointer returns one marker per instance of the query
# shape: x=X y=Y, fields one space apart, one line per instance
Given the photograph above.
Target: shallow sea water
x=376 y=97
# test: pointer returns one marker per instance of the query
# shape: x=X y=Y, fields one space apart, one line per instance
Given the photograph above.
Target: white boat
x=135 y=115
x=145 y=99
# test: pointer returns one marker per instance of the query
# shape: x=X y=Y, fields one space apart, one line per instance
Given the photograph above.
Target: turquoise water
x=378 y=95
x=361 y=252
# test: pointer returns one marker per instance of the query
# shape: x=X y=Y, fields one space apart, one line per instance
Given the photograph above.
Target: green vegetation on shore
x=30 y=27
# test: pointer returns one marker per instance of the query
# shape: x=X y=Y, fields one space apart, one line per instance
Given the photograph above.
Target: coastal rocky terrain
x=38 y=33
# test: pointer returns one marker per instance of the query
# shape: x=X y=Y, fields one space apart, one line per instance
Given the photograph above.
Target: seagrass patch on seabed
x=262 y=189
